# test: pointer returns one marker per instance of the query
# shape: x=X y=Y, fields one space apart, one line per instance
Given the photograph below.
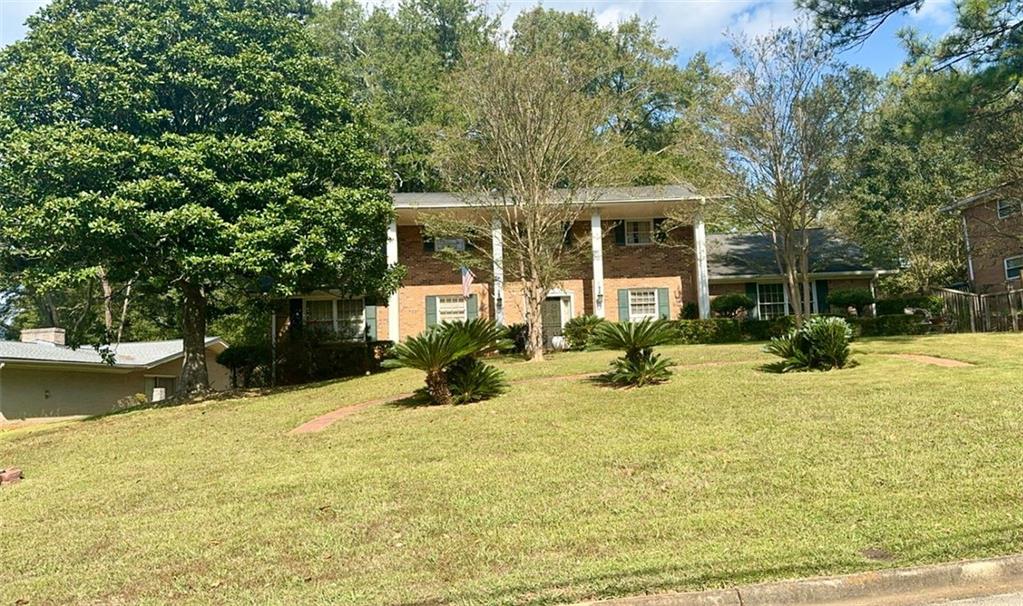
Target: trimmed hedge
x=897 y=305
x=891 y=325
x=730 y=330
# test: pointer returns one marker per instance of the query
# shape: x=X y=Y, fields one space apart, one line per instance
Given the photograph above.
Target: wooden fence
x=968 y=312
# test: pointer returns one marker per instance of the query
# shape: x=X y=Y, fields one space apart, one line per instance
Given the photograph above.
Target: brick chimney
x=43 y=335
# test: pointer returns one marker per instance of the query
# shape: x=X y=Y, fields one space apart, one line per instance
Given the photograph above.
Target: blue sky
x=689 y=25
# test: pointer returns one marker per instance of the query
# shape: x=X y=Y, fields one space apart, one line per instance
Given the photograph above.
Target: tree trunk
x=108 y=300
x=534 y=323
x=194 y=376
x=437 y=387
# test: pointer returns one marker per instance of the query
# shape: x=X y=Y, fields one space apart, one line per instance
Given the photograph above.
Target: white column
x=393 y=328
x=497 y=243
x=702 y=274
x=597 y=238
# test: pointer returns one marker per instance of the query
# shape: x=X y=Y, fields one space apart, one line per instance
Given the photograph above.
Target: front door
x=550 y=314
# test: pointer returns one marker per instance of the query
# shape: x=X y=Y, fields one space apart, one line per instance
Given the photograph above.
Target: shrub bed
x=891 y=325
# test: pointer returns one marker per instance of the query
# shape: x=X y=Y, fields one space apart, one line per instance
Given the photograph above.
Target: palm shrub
x=639 y=365
x=821 y=343
x=450 y=354
x=579 y=331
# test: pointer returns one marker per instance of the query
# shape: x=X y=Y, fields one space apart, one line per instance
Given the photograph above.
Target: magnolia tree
x=185 y=147
x=525 y=149
x=791 y=115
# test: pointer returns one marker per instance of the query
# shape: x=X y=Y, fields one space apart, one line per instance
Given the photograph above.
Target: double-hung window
x=1009 y=207
x=451 y=309
x=771 y=301
x=642 y=304
x=638 y=233
x=1013 y=267
x=449 y=244
x=340 y=318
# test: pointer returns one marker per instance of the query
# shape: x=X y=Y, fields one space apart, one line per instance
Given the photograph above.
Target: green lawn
x=558 y=491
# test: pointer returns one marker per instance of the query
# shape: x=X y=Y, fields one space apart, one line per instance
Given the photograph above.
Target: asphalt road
x=1005 y=599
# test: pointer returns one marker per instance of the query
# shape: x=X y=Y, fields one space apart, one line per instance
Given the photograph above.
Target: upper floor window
x=1013 y=267
x=639 y=232
x=1008 y=208
x=449 y=244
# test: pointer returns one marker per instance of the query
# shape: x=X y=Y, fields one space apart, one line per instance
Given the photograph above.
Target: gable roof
x=135 y=355
x=752 y=256
x=979 y=197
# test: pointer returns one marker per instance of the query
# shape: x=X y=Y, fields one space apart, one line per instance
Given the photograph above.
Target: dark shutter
x=659 y=234
x=371 y=321
x=623 y=305
x=295 y=316
x=663 y=309
x=620 y=233
x=569 y=240
x=823 y=306
x=431 y=311
x=428 y=245
x=754 y=295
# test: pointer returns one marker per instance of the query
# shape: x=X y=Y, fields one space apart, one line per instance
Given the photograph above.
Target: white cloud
x=936 y=12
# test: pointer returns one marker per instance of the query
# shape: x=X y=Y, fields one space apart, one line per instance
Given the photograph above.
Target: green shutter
x=472 y=307
x=663 y=310
x=431 y=311
x=371 y=322
x=754 y=295
x=822 y=296
x=620 y=233
x=623 y=305
x=427 y=241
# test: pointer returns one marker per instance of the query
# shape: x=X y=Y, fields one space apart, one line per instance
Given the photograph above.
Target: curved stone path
x=324 y=421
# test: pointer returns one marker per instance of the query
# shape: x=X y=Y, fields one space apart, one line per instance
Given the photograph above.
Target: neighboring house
x=746 y=263
x=624 y=274
x=993 y=233
x=41 y=377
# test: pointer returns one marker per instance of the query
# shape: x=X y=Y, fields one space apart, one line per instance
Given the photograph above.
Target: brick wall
x=992 y=240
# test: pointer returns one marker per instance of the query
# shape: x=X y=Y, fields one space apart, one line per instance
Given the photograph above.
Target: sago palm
x=640 y=365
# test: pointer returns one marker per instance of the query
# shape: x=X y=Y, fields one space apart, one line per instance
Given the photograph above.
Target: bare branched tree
x=528 y=145
x=791 y=116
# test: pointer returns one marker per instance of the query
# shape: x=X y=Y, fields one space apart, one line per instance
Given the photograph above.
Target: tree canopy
x=188 y=147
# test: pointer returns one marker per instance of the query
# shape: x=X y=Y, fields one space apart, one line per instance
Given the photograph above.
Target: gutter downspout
x=969 y=251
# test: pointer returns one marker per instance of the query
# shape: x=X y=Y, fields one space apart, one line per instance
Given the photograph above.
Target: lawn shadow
x=418 y=399
x=731 y=573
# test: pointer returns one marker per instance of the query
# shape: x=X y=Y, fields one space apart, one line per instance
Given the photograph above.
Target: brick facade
x=991 y=242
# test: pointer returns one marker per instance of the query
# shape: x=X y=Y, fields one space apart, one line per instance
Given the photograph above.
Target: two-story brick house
x=993 y=233
x=622 y=274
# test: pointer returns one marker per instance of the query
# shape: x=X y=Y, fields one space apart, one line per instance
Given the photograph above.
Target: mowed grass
x=559 y=491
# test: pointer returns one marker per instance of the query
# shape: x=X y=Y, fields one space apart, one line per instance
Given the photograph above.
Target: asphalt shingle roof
x=733 y=255
x=140 y=354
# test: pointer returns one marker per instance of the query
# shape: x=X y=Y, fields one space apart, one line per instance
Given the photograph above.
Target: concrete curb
x=875 y=585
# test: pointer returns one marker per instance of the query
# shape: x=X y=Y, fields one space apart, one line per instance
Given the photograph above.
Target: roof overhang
x=978 y=198
x=613 y=202
x=216 y=344
x=829 y=275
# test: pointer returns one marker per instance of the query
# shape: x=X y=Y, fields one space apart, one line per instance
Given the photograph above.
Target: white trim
x=702 y=272
x=863 y=273
x=1005 y=265
x=393 y=326
x=597 y=239
x=497 y=245
x=657 y=304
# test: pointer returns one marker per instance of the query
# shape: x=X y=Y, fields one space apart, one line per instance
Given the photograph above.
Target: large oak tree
x=186 y=146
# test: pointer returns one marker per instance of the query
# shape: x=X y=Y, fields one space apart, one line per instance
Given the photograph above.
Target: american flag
x=467 y=278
